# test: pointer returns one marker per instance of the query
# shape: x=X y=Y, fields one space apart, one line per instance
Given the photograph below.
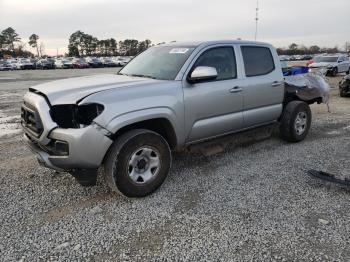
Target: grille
x=30 y=120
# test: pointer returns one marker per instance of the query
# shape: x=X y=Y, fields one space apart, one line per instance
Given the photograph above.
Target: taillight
x=309 y=62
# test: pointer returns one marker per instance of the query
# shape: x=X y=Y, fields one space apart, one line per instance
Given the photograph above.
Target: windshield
x=320 y=59
x=161 y=62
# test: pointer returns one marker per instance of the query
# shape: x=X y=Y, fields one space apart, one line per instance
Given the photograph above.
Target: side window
x=223 y=59
x=258 y=60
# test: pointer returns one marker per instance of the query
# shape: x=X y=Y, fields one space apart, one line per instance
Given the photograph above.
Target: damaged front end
x=75 y=116
x=65 y=137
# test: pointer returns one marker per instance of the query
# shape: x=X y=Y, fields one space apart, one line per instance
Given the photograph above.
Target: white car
x=13 y=63
x=24 y=63
x=63 y=63
x=331 y=64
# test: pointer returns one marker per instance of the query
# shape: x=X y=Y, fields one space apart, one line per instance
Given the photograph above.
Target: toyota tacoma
x=166 y=98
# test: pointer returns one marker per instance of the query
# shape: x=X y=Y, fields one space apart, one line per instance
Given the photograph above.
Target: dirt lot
x=251 y=200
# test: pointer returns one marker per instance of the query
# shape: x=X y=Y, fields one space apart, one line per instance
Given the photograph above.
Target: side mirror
x=340 y=61
x=202 y=73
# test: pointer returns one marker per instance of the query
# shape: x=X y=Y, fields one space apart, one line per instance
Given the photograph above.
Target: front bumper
x=87 y=148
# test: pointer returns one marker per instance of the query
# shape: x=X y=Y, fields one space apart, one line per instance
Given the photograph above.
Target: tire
x=290 y=130
x=127 y=166
x=342 y=92
x=335 y=71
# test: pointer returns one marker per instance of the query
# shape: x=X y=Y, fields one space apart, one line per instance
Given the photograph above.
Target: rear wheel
x=295 y=121
x=137 y=163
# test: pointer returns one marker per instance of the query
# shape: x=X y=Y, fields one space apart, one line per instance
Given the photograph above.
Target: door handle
x=276 y=83
x=235 y=89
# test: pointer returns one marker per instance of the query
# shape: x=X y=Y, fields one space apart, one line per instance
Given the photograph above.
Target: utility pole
x=256 y=19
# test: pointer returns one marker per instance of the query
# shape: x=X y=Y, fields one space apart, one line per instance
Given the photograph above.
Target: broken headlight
x=75 y=116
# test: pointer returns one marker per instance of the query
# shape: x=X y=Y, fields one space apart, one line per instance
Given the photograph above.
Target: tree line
x=82 y=44
x=295 y=49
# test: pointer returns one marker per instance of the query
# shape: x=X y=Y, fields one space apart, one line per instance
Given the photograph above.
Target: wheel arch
x=158 y=120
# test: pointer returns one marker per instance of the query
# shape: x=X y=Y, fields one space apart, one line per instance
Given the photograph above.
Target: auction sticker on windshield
x=178 y=51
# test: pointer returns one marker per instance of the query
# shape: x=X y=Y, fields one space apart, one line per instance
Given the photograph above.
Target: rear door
x=213 y=107
x=343 y=64
x=263 y=85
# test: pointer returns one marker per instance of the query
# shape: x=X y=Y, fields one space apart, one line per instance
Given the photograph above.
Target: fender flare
x=134 y=117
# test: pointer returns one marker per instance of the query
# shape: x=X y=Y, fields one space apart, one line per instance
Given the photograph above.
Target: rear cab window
x=258 y=60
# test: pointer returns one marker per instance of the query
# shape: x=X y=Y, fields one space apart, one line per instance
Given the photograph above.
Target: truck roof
x=214 y=42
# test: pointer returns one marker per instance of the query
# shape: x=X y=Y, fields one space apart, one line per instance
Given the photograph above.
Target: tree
x=293 y=47
x=33 y=42
x=2 y=40
x=129 y=47
x=314 y=49
x=85 y=44
x=89 y=44
x=10 y=37
x=75 y=42
x=112 y=47
x=144 y=45
x=73 y=50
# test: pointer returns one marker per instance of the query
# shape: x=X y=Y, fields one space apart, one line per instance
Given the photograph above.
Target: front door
x=214 y=107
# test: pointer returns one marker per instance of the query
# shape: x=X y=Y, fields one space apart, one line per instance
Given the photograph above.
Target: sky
x=281 y=22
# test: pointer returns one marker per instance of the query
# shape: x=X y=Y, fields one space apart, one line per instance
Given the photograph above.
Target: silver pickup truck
x=165 y=99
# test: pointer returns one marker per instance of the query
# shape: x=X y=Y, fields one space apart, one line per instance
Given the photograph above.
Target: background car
x=5 y=66
x=63 y=63
x=331 y=64
x=122 y=61
x=13 y=63
x=80 y=63
x=45 y=64
x=24 y=63
x=94 y=62
x=109 y=62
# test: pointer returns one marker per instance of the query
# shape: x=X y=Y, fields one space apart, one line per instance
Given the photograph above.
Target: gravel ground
x=240 y=198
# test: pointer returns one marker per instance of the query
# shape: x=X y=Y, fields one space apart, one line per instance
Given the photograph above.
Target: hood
x=71 y=90
x=322 y=64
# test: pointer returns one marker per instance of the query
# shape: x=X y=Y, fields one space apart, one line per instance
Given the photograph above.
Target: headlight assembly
x=75 y=116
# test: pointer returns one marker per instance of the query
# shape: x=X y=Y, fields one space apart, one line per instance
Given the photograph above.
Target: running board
x=328 y=177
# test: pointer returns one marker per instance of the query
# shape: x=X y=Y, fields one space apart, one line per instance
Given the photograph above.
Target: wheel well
x=161 y=126
x=293 y=97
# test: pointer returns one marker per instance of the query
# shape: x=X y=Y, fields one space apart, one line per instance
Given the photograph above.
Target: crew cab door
x=213 y=107
x=263 y=85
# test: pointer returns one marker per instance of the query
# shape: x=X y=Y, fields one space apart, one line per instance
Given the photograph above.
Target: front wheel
x=335 y=71
x=137 y=163
x=295 y=121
